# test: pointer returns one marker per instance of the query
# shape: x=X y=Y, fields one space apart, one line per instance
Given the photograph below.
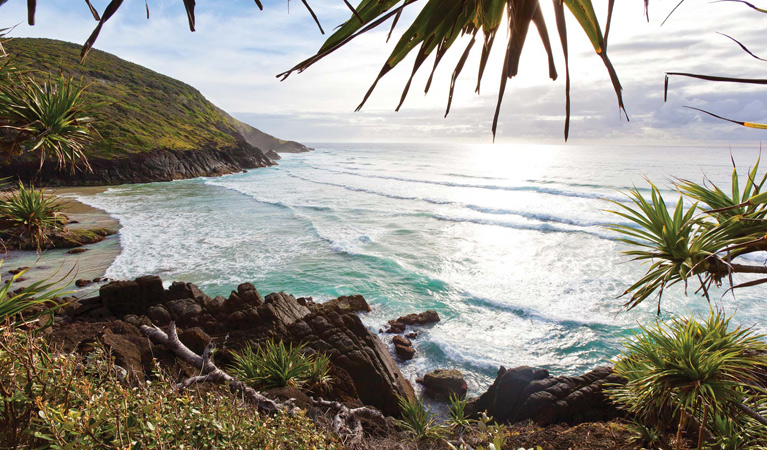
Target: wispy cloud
x=237 y=51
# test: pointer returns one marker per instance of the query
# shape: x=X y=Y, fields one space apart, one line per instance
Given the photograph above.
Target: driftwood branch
x=346 y=423
x=208 y=371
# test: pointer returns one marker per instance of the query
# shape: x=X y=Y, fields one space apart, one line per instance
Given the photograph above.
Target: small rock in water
x=405 y=353
x=398 y=326
x=82 y=283
x=443 y=382
x=18 y=271
x=412 y=335
x=402 y=340
x=77 y=250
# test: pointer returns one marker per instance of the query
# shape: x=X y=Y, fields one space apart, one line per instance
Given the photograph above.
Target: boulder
x=427 y=317
x=404 y=352
x=194 y=338
x=132 y=297
x=282 y=308
x=525 y=392
x=352 y=347
x=442 y=383
x=159 y=315
x=183 y=310
x=352 y=303
x=402 y=340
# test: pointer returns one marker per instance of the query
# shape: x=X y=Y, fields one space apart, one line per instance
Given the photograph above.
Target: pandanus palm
x=699 y=244
x=436 y=29
x=50 y=117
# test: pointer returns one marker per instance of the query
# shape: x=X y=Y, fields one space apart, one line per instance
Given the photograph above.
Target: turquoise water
x=507 y=243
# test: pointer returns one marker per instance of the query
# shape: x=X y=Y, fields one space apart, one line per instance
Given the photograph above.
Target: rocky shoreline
x=363 y=370
x=157 y=165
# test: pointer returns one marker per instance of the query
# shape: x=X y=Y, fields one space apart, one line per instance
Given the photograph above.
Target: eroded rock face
x=525 y=392
x=362 y=369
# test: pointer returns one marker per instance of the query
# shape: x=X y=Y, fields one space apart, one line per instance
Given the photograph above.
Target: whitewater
x=507 y=243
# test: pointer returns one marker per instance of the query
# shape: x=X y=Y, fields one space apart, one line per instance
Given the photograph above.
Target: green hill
x=148 y=122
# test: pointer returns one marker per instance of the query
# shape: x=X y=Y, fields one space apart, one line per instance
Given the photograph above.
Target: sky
x=237 y=51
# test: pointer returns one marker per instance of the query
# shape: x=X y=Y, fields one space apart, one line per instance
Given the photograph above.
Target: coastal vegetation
x=52 y=400
x=276 y=364
x=32 y=213
x=49 y=116
x=695 y=243
x=699 y=374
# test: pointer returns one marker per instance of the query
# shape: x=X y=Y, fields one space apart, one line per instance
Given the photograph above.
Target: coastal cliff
x=152 y=127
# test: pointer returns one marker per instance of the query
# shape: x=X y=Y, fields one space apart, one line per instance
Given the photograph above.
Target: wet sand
x=57 y=264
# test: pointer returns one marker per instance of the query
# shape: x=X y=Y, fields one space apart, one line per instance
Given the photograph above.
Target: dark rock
x=82 y=283
x=18 y=270
x=179 y=290
x=352 y=303
x=271 y=154
x=98 y=280
x=183 y=310
x=402 y=340
x=442 y=383
x=77 y=250
x=159 y=315
x=353 y=348
x=132 y=297
x=524 y=393
x=246 y=294
x=412 y=335
x=195 y=338
x=282 y=308
x=427 y=317
x=151 y=289
x=405 y=353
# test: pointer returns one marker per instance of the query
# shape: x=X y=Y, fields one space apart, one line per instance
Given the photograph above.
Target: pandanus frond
x=695 y=241
x=435 y=30
x=439 y=25
x=724 y=79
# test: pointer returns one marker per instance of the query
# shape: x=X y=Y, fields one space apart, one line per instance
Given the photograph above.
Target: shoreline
x=60 y=266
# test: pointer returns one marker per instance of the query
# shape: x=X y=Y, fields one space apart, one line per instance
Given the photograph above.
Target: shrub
x=50 y=117
x=27 y=304
x=276 y=364
x=32 y=212
x=63 y=401
x=418 y=420
x=458 y=418
x=688 y=369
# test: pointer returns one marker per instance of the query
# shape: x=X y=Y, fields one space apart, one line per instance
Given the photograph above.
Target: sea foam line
x=542 y=190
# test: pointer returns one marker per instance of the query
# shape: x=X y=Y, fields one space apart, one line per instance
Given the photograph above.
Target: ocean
x=507 y=243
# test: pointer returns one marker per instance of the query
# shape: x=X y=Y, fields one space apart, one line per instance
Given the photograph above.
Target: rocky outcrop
x=58 y=238
x=362 y=369
x=157 y=165
x=442 y=383
x=525 y=392
x=403 y=347
x=267 y=142
x=424 y=318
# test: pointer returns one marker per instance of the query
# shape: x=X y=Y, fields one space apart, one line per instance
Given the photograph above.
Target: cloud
x=237 y=51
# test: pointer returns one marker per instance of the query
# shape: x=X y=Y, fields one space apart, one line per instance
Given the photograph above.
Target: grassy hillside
x=143 y=110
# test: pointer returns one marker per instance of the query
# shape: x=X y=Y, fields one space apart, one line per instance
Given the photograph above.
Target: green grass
x=418 y=420
x=142 y=109
x=276 y=364
x=65 y=401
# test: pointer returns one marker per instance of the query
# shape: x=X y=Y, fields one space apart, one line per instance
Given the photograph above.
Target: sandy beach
x=61 y=266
